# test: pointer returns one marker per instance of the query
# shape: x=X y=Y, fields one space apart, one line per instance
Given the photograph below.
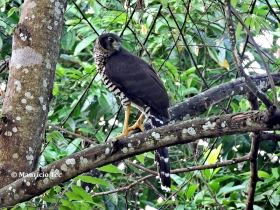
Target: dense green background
x=81 y=104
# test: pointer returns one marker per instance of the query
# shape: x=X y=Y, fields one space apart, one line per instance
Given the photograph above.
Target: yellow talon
x=126 y=129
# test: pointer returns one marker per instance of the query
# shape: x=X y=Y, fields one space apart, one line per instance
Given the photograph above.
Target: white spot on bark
x=129 y=145
x=156 y=135
x=29 y=108
x=49 y=27
x=46 y=180
x=18 y=118
x=262 y=84
x=208 y=125
x=18 y=66
x=18 y=85
x=25 y=70
x=8 y=133
x=30 y=149
x=41 y=99
x=107 y=151
x=32 y=4
x=33 y=16
x=54 y=173
x=191 y=131
x=28 y=95
x=23 y=101
x=15 y=155
x=70 y=161
x=223 y=124
x=63 y=167
x=20 y=55
x=45 y=84
x=14 y=129
x=124 y=150
x=27 y=183
x=44 y=107
x=22 y=37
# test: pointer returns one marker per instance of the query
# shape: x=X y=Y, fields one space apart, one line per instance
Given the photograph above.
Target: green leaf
x=84 y=43
x=73 y=146
x=68 y=40
x=73 y=196
x=12 y=11
x=108 y=102
x=141 y=158
x=233 y=3
x=191 y=190
x=111 y=169
x=92 y=180
x=67 y=203
x=177 y=179
x=263 y=174
x=275 y=172
x=214 y=186
x=238 y=30
x=225 y=190
x=248 y=21
x=80 y=191
x=212 y=158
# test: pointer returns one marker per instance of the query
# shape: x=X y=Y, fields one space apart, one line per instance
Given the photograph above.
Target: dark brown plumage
x=136 y=83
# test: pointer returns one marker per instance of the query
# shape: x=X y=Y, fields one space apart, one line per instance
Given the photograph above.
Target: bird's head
x=110 y=42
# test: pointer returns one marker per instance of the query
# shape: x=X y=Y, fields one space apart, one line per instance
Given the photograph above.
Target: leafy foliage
x=188 y=64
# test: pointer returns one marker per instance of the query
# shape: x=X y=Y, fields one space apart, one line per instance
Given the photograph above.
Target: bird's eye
x=111 y=39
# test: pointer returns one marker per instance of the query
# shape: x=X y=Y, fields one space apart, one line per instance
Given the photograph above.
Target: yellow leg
x=125 y=126
x=138 y=124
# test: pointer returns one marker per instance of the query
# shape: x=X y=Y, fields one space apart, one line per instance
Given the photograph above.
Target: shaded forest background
x=203 y=70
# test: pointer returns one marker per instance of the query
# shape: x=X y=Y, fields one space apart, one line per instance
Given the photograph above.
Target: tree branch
x=177 y=171
x=109 y=152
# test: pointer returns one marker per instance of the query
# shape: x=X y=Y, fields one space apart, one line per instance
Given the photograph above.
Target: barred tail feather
x=161 y=155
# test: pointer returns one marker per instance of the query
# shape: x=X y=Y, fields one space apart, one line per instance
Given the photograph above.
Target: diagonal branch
x=263 y=97
x=181 y=133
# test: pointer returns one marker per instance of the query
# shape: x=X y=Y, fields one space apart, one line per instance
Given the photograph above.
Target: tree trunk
x=36 y=43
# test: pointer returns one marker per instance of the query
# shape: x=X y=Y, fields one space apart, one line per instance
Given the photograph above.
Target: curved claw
x=138 y=124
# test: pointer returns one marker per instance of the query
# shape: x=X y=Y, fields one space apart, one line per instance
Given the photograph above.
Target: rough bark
x=36 y=42
x=181 y=133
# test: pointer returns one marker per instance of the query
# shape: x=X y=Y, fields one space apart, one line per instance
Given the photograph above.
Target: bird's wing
x=138 y=81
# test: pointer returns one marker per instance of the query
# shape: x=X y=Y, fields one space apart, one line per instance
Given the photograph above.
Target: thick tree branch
x=200 y=103
x=180 y=133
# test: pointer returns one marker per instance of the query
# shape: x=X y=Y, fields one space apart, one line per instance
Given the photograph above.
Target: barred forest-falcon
x=136 y=83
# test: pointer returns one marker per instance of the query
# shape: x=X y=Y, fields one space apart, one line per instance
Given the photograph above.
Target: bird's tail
x=161 y=154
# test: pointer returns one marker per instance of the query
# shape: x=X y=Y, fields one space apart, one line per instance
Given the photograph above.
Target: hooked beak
x=117 y=45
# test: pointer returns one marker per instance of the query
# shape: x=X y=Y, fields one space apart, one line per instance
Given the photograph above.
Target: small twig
x=123 y=188
x=254 y=170
x=253 y=156
x=71 y=133
x=194 y=168
x=129 y=19
x=83 y=94
x=141 y=168
x=84 y=17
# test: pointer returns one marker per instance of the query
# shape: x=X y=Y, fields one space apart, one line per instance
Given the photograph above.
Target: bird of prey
x=136 y=83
